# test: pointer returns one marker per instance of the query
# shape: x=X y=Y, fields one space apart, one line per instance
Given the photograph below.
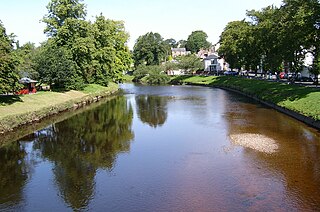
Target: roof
x=210 y=57
x=26 y=80
x=178 y=49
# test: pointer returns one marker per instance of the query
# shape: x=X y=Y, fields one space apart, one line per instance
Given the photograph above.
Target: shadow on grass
x=178 y=80
x=9 y=99
x=271 y=91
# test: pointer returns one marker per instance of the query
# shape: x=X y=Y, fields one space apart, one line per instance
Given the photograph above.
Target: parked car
x=304 y=79
x=231 y=73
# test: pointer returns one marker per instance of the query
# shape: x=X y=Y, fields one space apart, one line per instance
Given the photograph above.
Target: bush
x=154 y=75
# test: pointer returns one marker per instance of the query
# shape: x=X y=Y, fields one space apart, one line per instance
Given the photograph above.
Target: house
x=175 y=72
x=179 y=52
x=214 y=65
x=29 y=86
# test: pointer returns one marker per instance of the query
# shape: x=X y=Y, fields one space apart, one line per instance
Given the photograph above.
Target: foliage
x=150 y=49
x=25 y=55
x=154 y=74
x=181 y=44
x=9 y=78
x=56 y=68
x=61 y=10
x=140 y=72
x=196 y=41
x=157 y=76
x=171 y=65
x=97 y=50
x=171 y=42
x=190 y=63
x=274 y=37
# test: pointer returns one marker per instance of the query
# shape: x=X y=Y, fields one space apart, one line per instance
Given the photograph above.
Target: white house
x=175 y=72
x=214 y=65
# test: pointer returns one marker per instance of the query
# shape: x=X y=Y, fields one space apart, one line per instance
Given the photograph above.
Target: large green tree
x=61 y=10
x=9 y=78
x=25 y=55
x=150 y=49
x=197 y=40
x=56 y=67
x=190 y=63
x=98 y=49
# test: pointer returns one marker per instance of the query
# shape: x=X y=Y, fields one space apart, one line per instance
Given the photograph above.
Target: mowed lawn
x=34 y=102
x=14 y=110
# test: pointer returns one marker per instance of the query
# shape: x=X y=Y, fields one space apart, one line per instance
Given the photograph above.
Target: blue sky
x=171 y=18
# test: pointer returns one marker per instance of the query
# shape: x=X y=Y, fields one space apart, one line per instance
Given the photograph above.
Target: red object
x=282 y=74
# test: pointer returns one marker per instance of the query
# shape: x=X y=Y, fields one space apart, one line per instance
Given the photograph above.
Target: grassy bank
x=19 y=110
x=303 y=100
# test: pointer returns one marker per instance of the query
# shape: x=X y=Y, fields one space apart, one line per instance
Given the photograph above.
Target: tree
x=112 y=53
x=181 y=44
x=150 y=49
x=98 y=49
x=269 y=36
x=59 y=11
x=9 y=78
x=196 y=41
x=56 y=68
x=190 y=63
x=171 y=42
x=25 y=55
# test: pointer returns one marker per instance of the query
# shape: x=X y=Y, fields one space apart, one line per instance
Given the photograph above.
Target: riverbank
x=302 y=103
x=16 y=111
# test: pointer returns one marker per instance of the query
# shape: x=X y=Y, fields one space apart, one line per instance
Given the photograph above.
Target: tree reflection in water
x=152 y=110
x=14 y=171
x=80 y=145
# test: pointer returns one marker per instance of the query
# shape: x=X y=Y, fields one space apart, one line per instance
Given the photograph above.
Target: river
x=165 y=148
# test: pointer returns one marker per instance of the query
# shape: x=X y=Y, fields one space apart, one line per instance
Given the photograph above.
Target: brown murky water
x=164 y=148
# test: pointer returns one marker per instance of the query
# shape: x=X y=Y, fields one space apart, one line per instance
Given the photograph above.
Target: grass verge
x=303 y=100
x=23 y=109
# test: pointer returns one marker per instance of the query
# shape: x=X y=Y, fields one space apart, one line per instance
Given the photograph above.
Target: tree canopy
x=150 y=49
x=274 y=36
x=9 y=78
x=196 y=41
x=97 y=51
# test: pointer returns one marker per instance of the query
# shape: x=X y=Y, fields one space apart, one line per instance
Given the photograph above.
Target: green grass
x=128 y=78
x=303 y=100
x=17 y=110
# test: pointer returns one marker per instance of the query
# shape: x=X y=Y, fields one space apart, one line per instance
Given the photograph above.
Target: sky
x=175 y=19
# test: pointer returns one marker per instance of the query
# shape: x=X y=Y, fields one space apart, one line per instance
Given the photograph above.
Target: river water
x=164 y=148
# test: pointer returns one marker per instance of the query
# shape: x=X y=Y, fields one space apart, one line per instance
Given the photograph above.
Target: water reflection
x=152 y=109
x=14 y=173
x=187 y=164
x=83 y=143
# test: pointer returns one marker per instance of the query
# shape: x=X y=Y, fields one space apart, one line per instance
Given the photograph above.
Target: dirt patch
x=257 y=142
